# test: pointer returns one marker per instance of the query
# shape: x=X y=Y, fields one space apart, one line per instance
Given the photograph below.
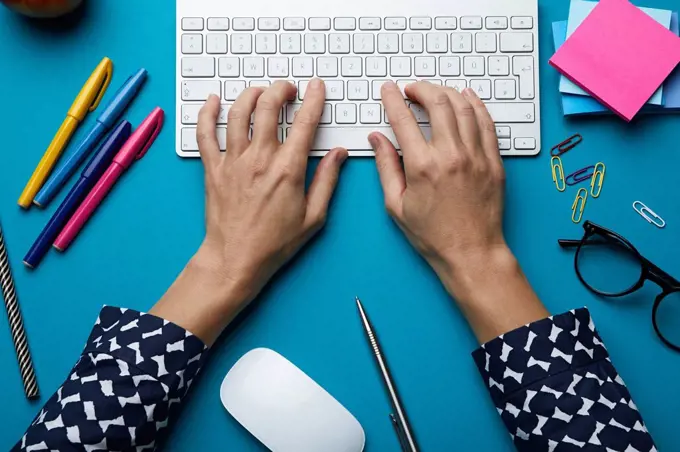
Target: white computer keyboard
x=491 y=49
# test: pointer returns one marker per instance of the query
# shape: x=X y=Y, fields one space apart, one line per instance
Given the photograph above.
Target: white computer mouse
x=285 y=409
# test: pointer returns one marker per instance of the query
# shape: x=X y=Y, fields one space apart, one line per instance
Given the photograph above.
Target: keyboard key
x=265 y=43
x=351 y=67
x=499 y=65
x=402 y=84
x=241 y=43
x=522 y=144
x=290 y=43
x=303 y=67
x=315 y=42
x=268 y=23
x=420 y=113
x=496 y=23
x=189 y=142
x=482 y=88
x=345 y=113
x=505 y=89
x=348 y=136
x=192 y=44
x=504 y=144
x=395 y=23
x=412 y=43
x=445 y=23
x=243 y=24
x=388 y=43
x=376 y=66
x=190 y=113
x=369 y=23
x=259 y=84
x=523 y=67
x=461 y=42
x=232 y=89
x=327 y=66
x=199 y=90
x=216 y=43
x=357 y=90
x=198 y=67
x=253 y=67
x=302 y=88
x=326 y=116
x=473 y=66
x=471 y=23
x=517 y=42
x=457 y=84
x=335 y=90
x=522 y=23
x=277 y=67
x=338 y=43
x=320 y=23
x=424 y=66
x=420 y=23
x=294 y=23
x=434 y=81
x=512 y=112
x=218 y=24
x=485 y=42
x=400 y=66
x=345 y=23
x=229 y=67
x=364 y=43
x=291 y=111
x=369 y=113
x=192 y=24
x=376 y=87
x=437 y=42
x=503 y=132
x=449 y=66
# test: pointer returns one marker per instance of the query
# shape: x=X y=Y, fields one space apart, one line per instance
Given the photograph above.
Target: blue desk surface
x=153 y=222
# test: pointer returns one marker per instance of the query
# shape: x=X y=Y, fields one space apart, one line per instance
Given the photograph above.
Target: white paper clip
x=648 y=214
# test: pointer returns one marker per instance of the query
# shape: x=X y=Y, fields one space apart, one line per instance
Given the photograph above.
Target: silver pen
x=398 y=418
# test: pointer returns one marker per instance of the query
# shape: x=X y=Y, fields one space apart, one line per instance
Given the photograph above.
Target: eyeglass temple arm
x=662 y=274
x=565 y=243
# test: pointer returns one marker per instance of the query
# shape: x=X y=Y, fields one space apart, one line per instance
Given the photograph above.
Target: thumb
x=391 y=172
x=322 y=188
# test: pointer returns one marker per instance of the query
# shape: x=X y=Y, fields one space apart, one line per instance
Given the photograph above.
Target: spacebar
x=354 y=137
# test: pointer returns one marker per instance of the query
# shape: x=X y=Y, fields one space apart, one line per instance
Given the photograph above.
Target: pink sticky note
x=619 y=55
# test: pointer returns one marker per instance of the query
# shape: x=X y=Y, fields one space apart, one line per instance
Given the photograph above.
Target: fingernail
x=373 y=142
x=342 y=156
x=315 y=83
x=469 y=92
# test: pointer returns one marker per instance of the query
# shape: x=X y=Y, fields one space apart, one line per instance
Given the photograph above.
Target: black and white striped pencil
x=16 y=323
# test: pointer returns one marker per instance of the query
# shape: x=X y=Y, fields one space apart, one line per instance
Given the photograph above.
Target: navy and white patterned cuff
x=539 y=350
x=157 y=347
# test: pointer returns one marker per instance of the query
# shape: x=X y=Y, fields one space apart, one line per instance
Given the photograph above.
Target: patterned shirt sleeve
x=124 y=390
x=556 y=389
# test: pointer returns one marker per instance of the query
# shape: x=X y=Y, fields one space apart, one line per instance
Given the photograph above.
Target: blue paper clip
x=581 y=175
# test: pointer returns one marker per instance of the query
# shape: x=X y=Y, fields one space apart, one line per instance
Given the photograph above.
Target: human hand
x=448 y=199
x=257 y=212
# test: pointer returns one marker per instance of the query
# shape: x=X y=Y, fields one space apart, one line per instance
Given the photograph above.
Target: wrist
x=226 y=279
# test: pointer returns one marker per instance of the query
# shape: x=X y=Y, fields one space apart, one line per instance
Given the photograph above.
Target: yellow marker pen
x=88 y=99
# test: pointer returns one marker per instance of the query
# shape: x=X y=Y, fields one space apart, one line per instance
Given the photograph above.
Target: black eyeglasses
x=610 y=266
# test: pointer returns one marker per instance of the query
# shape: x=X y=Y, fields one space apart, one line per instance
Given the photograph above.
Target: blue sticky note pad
x=586 y=105
x=578 y=11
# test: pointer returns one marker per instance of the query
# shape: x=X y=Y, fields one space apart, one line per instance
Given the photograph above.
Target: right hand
x=448 y=198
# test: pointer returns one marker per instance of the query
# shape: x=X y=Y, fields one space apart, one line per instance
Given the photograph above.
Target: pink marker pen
x=134 y=149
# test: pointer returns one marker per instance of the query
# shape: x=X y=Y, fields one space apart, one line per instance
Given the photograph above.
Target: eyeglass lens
x=608 y=265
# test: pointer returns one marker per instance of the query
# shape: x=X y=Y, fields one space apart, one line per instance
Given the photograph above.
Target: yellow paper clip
x=582 y=195
x=599 y=171
x=558 y=173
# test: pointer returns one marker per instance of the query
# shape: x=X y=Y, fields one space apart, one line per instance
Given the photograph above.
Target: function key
x=420 y=23
x=471 y=23
x=294 y=23
x=522 y=23
x=496 y=23
x=395 y=23
x=192 y=23
x=268 y=23
x=369 y=23
x=243 y=24
x=319 y=23
x=345 y=23
x=445 y=23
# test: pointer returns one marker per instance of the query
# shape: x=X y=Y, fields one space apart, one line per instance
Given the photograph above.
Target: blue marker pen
x=90 y=175
x=104 y=123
